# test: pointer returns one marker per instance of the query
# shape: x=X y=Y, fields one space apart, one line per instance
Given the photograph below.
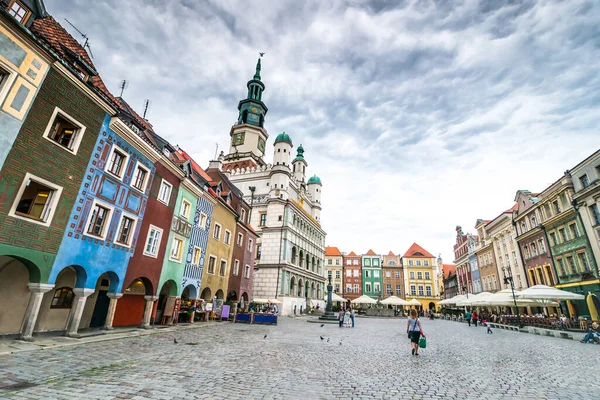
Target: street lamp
x=507 y=280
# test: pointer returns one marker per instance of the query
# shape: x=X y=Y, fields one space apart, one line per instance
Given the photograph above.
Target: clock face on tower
x=238 y=139
x=261 y=144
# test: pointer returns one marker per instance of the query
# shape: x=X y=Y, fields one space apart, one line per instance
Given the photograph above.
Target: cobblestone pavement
x=226 y=361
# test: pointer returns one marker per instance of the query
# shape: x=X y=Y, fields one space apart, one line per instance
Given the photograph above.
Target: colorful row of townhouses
x=104 y=223
x=551 y=237
x=415 y=275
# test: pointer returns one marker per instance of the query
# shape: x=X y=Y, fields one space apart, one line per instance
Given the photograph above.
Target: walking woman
x=414 y=331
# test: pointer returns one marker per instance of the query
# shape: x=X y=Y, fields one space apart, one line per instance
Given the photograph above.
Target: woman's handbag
x=422 y=342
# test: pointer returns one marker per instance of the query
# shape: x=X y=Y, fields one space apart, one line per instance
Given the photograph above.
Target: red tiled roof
x=391 y=254
x=513 y=208
x=195 y=165
x=332 y=251
x=371 y=253
x=414 y=249
x=448 y=269
x=352 y=254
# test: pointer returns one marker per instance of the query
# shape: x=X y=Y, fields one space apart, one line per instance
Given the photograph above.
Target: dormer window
x=18 y=11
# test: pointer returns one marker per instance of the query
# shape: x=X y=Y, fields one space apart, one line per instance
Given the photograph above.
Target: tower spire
x=257 y=74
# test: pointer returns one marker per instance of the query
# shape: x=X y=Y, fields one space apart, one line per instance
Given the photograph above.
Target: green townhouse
x=372 y=277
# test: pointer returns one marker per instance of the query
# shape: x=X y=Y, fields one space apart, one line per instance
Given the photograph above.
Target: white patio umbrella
x=454 y=300
x=275 y=301
x=505 y=298
x=415 y=302
x=336 y=297
x=472 y=299
x=547 y=296
x=260 y=301
x=364 y=300
x=395 y=301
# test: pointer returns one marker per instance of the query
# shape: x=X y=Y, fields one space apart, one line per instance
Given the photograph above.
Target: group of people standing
x=346 y=317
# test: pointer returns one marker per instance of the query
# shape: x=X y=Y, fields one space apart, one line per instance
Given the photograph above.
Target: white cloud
x=417 y=118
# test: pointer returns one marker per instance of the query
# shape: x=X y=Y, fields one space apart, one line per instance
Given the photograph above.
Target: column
x=81 y=296
x=33 y=309
x=148 y=311
x=112 y=306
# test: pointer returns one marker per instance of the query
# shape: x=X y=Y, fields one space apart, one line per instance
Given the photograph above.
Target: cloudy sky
x=418 y=116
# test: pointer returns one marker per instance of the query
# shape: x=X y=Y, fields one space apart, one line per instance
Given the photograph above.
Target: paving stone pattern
x=373 y=361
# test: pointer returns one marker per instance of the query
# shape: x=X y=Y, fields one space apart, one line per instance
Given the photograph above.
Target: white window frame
x=236 y=267
x=108 y=219
x=132 y=233
x=221 y=263
x=355 y=273
x=150 y=229
x=348 y=273
x=368 y=287
x=250 y=244
x=123 y=166
x=182 y=209
x=164 y=182
x=146 y=179
x=53 y=202
x=203 y=220
x=77 y=142
x=180 y=239
x=225 y=240
x=199 y=250
x=247 y=272
x=240 y=239
x=376 y=287
x=217 y=237
x=212 y=256
x=8 y=82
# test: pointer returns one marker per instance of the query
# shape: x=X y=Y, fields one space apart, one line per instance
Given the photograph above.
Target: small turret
x=280 y=173
x=314 y=189
x=299 y=165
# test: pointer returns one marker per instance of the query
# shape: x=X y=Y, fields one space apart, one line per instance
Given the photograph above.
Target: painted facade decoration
x=393 y=276
x=334 y=268
x=420 y=277
x=372 y=275
x=352 y=276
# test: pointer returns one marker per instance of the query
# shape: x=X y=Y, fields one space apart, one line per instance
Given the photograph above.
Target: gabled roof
x=371 y=253
x=352 y=254
x=515 y=207
x=448 y=269
x=391 y=254
x=332 y=251
x=180 y=157
x=417 y=251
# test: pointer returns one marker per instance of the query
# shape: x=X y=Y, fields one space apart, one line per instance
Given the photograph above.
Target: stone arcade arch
x=130 y=308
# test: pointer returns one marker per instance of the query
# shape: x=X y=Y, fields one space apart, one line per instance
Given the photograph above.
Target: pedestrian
x=489 y=327
x=352 y=315
x=594 y=332
x=475 y=318
x=341 y=317
x=468 y=317
x=347 y=322
x=414 y=331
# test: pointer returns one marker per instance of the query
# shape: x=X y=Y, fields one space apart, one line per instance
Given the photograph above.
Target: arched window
x=63 y=298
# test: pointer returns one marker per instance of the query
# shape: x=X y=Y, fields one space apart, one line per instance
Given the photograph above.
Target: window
x=368 y=287
x=495 y=282
x=367 y=273
x=571 y=264
x=533 y=250
x=595 y=213
x=4 y=74
x=337 y=274
x=243 y=215
x=367 y=262
x=217 y=231
x=223 y=268
x=561 y=265
x=329 y=274
x=337 y=261
x=126 y=227
x=212 y=261
x=388 y=274
x=376 y=288
x=427 y=276
x=375 y=262
x=418 y=263
x=583 y=261
x=553 y=238
x=428 y=290
x=263 y=219
x=398 y=289
x=329 y=261
x=64 y=131
x=164 y=193
x=337 y=287
x=236 y=267
x=196 y=255
x=563 y=235
x=556 y=207
x=549 y=275
x=420 y=290
x=348 y=288
x=348 y=273
x=227 y=237
x=356 y=288
x=153 y=241
x=186 y=207
x=250 y=245
x=412 y=275
x=584 y=181
x=140 y=178
x=240 y=239
x=388 y=288
x=413 y=290
x=574 y=231
x=410 y=262
x=203 y=219
x=355 y=273
x=542 y=246
x=176 y=249
x=20 y=13
x=247 y=272
x=63 y=298
x=117 y=160
x=97 y=221
x=397 y=274
x=348 y=262
x=36 y=200
x=258 y=251
x=355 y=262
x=375 y=274
x=419 y=275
